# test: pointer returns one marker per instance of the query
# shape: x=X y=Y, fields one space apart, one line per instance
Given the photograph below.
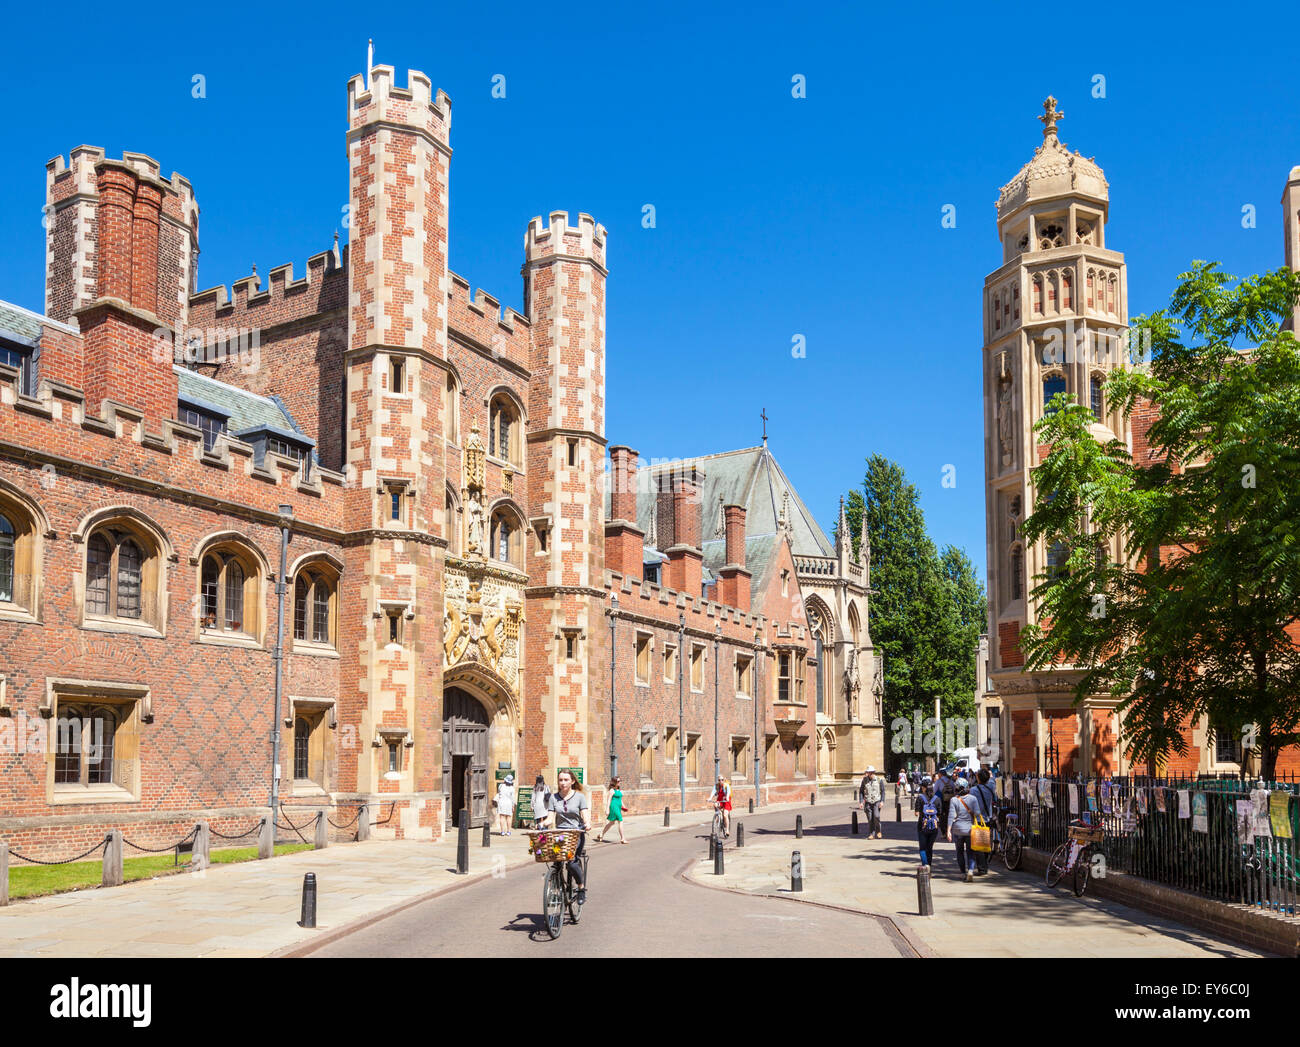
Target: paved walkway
x=1002 y=914
x=252 y=909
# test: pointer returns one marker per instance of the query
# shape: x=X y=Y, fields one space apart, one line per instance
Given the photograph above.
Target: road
x=637 y=907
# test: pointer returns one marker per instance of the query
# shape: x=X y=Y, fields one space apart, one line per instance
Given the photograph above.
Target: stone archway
x=480 y=730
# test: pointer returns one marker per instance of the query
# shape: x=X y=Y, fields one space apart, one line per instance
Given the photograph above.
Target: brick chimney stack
x=733 y=579
x=684 y=570
x=129 y=354
x=624 y=541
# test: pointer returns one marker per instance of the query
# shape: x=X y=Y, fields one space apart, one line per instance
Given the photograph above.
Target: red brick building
x=439 y=466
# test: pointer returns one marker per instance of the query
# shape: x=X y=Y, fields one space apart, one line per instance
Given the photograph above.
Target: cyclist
x=721 y=800
x=567 y=808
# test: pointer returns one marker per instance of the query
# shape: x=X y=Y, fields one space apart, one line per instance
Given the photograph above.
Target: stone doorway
x=464 y=756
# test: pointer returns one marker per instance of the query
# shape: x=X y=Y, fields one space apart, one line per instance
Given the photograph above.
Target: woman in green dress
x=615 y=816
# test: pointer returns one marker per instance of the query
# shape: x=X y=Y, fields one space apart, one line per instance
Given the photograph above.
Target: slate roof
x=751 y=477
x=244 y=410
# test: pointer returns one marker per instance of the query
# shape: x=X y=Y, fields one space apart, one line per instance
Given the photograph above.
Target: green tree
x=927 y=610
x=1198 y=618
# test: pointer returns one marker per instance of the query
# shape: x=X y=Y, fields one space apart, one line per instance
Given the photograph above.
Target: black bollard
x=462 y=843
x=924 y=902
x=855 y=823
x=717 y=860
x=740 y=834
x=487 y=834
x=796 y=871
x=812 y=799
x=798 y=826
x=713 y=846
x=665 y=816
x=308 y=901
x=751 y=805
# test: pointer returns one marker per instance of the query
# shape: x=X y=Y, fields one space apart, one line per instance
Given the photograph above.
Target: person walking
x=926 y=806
x=873 y=792
x=960 y=821
x=615 y=815
x=940 y=784
x=983 y=791
x=505 y=804
x=541 y=799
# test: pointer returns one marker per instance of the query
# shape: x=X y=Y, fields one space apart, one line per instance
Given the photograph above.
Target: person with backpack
x=984 y=792
x=961 y=818
x=926 y=805
x=943 y=790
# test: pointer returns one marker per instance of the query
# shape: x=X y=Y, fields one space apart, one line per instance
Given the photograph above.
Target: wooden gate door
x=465 y=733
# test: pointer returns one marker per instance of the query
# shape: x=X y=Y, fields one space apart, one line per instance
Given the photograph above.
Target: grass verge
x=32 y=881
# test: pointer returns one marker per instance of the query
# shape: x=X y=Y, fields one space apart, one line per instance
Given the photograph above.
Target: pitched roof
x=244 y=410
x=751 y=477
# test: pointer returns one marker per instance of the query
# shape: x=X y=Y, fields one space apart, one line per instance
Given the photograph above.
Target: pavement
x=1012 y=914
x=252 y=908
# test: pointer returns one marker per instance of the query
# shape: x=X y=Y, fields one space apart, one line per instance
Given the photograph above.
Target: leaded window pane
x=321 y=612
x=6 y=559
x=129 y=561
x=208 y=592
x=301 y=743
x=234 y=596
x=302 y=590
x=97 y=740
x=99 y=557
x=67 y=750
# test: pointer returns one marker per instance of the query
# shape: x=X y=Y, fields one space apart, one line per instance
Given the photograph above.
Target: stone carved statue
x=1005 y=418
x=474 y=539
x=852 y=686
x=878 y=688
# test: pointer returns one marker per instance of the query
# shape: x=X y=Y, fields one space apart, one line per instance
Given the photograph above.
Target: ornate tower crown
x=1050 y=115
x=1053 y=172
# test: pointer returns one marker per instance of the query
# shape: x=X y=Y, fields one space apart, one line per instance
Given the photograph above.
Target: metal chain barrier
x=247 y=832
x=346 y=825
x=391 y=808
x=66 y=861
x=162 y=850
x=290 y=825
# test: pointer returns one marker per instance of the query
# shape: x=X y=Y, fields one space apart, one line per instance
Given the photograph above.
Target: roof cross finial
x=763 y=416
x=1050 y=115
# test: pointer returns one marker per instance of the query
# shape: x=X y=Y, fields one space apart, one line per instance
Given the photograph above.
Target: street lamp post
x=613 y=649
x=681 y=708
x=281 y=587
x=717 y=638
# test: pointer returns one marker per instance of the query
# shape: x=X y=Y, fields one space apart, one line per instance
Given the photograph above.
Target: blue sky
x=775 y=217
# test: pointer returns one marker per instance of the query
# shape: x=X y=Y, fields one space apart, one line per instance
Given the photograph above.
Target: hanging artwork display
x=1107 y=807
x=1259 y=813
x=1280 y=815
x=1200 y=813
x=1160 y=798
x=1091 y=792
x=1142 y=801
x=1245 y=821
x=1074 y=797
x=1184 y=803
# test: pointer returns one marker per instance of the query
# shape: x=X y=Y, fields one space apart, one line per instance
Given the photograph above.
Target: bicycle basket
x=1087 y=833
x=553 y=845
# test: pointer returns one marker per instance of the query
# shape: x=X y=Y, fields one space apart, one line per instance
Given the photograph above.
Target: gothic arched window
x=314 y=601
x=1052 y=384
x=1096 y=397
x=1017 y=587
x=1067 y=290
x=503 y=430
x=1057 y=557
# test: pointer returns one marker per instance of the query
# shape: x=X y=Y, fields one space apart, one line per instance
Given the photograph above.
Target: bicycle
x=1010 y=838
x=1075 y=856
x=557 y=847
x=719 y=829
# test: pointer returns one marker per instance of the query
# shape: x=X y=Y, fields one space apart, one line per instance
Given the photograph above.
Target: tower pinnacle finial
x=1050 y=115
x=370 y=60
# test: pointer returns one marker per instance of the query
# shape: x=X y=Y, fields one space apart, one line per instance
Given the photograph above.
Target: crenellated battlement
x=480 y=318
x=61 y=405
x=282 y=300
x=559 y=238
x=415 y=105
x=77 y=176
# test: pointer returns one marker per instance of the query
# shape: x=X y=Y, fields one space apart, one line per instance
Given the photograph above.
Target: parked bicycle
x=557 y=848
x=1008 y=836
x=1075 y=856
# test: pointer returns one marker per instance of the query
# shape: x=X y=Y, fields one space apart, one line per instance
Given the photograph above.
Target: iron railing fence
x=1216 y=851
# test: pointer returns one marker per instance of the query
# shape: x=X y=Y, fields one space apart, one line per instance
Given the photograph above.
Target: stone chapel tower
x=1055 y=320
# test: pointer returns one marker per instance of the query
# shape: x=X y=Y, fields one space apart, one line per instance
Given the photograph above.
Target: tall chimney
x=624 y=541
x=685 y=568
x=733 y=579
